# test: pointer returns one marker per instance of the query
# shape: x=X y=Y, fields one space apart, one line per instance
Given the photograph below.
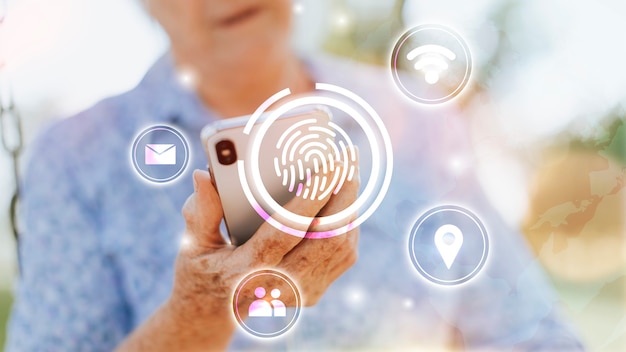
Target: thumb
x=203 y=213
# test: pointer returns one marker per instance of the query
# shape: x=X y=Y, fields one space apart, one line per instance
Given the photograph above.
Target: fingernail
x=195 y=180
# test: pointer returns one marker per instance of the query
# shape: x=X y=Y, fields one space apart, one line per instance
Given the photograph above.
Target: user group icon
x=266 y=303
x=448 y=245
x=261 y=307
x=431 y=64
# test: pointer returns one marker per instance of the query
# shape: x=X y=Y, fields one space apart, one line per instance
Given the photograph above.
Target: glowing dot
x=342 y=21
x=458 y=165
x=354 y=297
x=187 y=78
x=298 y=8
x=275 y=293
x=408 y=303
x=186 y=242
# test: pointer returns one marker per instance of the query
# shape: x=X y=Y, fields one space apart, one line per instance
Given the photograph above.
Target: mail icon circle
x=160 y=154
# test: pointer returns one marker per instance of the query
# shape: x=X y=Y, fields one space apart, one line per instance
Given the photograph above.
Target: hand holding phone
x=199 y=310
x=298 y=158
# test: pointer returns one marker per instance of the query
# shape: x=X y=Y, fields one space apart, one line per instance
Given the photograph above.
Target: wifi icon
x=431 y=59
x=442 y=61
x=310 y=162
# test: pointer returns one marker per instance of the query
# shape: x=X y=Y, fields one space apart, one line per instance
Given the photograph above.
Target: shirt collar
x=169 y=101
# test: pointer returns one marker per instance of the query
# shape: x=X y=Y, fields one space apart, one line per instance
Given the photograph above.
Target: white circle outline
x=470 y=215
x=256 y=174
x=171 y=130
x=466 y=53
x=303 y=220
x=284 y=278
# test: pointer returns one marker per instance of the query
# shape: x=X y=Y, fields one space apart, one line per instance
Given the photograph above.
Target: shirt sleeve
x=67 y=296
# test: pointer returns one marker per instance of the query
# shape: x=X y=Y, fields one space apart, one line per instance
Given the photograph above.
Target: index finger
x=269 y=245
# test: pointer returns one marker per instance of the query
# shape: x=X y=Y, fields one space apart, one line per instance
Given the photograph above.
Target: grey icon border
x=151 y=129
x=281 y=276
x=468 y=70
x=419 y=223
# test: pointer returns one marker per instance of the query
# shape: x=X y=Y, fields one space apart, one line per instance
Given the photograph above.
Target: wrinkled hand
x=208 y=269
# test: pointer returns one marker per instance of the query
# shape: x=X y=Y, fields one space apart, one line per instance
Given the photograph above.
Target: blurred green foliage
x=6 y=300
x=608 y=139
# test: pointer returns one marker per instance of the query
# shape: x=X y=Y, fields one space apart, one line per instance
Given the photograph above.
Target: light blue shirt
x=98 y=243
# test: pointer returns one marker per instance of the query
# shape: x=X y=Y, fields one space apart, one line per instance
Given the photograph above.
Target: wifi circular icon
x=431 y=64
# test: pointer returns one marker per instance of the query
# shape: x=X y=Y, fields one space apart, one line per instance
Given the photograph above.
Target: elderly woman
x=102 y=264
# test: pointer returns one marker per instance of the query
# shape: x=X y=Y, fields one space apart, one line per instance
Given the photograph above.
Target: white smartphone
x=226 y=144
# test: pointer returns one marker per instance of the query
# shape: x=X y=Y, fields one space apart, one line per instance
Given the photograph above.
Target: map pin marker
x=448 y=239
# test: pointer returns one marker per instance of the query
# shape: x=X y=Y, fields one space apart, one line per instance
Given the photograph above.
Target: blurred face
x=225 y=29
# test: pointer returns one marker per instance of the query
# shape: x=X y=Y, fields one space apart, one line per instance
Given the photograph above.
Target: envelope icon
x=160 y=154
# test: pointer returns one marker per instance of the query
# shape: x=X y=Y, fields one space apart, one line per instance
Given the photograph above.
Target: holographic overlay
x=448 y=245
x=160 y=154
x=266 y=303
x=338 y=149
x=431 y=64
x=314 y=160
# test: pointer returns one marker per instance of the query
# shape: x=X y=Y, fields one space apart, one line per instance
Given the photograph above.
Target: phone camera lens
x=226 y=153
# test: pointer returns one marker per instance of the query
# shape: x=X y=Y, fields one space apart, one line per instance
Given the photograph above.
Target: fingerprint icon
x=311 y=162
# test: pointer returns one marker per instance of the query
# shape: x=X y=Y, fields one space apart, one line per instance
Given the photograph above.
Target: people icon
x=262 y=308
x=279 y=307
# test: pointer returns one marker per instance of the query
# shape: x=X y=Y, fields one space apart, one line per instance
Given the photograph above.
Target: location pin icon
x=448 y=239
